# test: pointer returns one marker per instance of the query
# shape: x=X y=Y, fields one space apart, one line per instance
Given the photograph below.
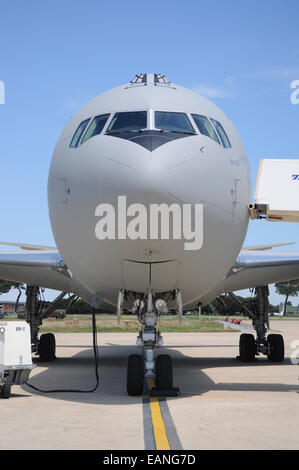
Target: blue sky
x=54 y=56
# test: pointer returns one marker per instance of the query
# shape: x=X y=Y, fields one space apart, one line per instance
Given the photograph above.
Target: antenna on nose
x=150 y=79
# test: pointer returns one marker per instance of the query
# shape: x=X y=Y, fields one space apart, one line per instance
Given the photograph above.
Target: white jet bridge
x=277 y=191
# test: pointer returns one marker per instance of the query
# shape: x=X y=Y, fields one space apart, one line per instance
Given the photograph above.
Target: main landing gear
x=45 y=346
x=272 y=345
x=145 y=372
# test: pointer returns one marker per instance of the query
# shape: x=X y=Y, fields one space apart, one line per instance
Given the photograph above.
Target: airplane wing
x=266 y=247
x=257 y=268
x=44 y=267
x=40 y=267
x=25 y=246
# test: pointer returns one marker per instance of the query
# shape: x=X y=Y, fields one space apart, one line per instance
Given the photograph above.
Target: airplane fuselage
x=149 y=166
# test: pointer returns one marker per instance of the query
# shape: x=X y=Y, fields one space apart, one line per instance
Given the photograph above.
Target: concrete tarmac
x=224 y=403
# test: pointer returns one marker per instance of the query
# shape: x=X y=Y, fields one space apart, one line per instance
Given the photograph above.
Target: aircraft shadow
x=78 y=372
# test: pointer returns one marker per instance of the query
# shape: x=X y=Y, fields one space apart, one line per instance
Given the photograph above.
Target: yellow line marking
x=158 y=425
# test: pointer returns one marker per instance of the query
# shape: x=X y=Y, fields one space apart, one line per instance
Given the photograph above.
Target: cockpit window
x=78 y=134
x=222 y=134
x=95 y=127
x=205 y=127
x=128 y=121
x=173 y=122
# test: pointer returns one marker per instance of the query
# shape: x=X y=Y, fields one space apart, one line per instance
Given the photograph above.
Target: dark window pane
x=95 y=127
x=205 y=127
x=77 y=136
x=128 y=121
x=222 y=134
x=177 y=122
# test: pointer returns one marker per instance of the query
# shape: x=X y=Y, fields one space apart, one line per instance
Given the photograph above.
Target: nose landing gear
x=144 y=370
x=138 y=381
x=135 y=371
x=164 y=372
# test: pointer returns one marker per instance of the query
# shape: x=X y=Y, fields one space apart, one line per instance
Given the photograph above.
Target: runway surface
x=224 y=404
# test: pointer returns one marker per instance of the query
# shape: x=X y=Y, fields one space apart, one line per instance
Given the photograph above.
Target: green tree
x=5 y=287
x=289 y=289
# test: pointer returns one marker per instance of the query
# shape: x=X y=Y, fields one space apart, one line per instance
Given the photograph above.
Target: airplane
x=133 y=172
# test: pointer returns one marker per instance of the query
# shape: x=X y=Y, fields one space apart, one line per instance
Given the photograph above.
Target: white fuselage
x=193 y=169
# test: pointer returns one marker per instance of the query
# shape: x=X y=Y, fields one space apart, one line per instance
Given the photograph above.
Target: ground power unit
x=15 y=355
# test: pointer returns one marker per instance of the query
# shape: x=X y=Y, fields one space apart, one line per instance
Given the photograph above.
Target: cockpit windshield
x=222 y=134
x=95 y=127
x=78 y=134
x=205 y=127
x=173 y=122
x=128 y=122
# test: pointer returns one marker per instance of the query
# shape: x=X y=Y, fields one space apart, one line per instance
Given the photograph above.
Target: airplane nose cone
x=141 y=179
x=176 y=173
x=153 y=170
